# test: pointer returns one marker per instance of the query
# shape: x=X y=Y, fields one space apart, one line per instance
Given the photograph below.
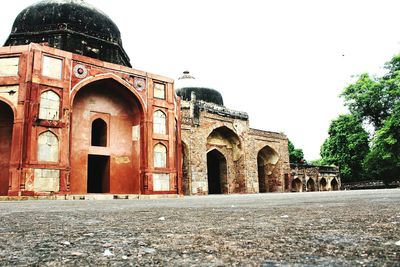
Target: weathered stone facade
x=223 y=155
x=309 y=178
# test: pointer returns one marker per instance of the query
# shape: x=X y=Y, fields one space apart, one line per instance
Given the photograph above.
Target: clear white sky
x=284 y=62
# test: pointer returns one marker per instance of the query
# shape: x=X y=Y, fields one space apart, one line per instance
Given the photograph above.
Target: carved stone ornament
x=139 y=84
x=80 y=71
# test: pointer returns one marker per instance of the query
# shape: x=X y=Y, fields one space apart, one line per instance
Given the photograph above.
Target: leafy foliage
x=296 y=155
x=347 y=146
x=383 y=161
x=375 y=100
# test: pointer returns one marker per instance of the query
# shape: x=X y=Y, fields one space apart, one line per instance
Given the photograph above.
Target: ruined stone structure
x=74 y=117
x=221 y=153
x=309 y=178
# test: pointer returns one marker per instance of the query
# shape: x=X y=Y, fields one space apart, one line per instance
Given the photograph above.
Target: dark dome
x=206 y=94
x=71 y=25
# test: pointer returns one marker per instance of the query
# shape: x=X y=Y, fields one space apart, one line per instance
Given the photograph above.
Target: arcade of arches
x=314 y=178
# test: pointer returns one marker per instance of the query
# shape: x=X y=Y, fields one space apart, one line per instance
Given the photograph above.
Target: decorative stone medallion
x=139 y=84
x=80 y=71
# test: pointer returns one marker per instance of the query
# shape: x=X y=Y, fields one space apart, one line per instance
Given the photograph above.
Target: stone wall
x=207 y=127
x=314 y=178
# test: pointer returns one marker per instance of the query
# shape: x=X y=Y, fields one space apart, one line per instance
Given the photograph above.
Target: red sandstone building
x=75 y=118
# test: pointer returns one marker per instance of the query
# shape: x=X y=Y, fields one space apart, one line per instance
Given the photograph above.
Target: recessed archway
x=228 y=144
x=334 y=185
x=113 y=144
x=297 y=185
x=322 y=184
x=6 y=132
x=216 y=172
x=311 y=185
x=267 y=158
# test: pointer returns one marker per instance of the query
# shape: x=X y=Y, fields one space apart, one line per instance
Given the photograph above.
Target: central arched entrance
x=105 y=143
x=6 y=130
x=225 y=160
x=216 y=172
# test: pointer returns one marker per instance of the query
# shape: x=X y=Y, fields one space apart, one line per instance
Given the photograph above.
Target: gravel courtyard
x=347 y=228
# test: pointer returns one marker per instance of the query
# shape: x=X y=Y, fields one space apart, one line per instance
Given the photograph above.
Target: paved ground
x=349 y=228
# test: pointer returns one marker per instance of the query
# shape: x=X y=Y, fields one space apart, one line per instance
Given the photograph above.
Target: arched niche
x=297 y=185
x=334 y=184
x=267 y=159
x=323 y=184
x=310 y=185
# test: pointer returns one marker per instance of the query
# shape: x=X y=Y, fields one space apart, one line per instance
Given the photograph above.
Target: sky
x=283 y=62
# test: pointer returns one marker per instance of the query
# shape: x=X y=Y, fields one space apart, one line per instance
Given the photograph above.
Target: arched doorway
x=6 y=130
x=216 y=172
x=105 y=143
x=297 y=185
x=310 y=185
x=268 y=180
x=322 y=184
x=334 y=185
x=227 y=143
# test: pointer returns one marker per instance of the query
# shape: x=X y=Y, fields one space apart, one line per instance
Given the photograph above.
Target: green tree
x=346 y=147
x=296 y=155
x=374 y=98
x=383 y=161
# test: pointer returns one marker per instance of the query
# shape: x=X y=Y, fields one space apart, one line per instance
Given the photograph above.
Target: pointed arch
x=334 y=184
x=310 y=185
x=224 y=136
x=323 y=184
x=297 y=185
x=107 y=76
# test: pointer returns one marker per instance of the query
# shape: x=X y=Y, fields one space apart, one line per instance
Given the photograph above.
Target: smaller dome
x=186 y=84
